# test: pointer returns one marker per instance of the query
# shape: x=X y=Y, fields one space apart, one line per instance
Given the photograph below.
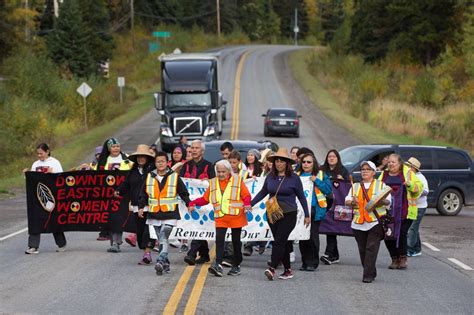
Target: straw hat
x=413 y=162
x=283 y=154
x=263 y=155
x=142 y=149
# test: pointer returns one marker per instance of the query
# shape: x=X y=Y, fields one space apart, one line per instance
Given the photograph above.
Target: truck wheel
x=224 y=114
x=450 y=202
x=266 y=133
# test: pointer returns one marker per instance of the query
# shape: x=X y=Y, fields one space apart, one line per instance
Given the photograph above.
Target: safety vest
x=413 y=191
x=243 y=174
x=165 y=199
x=360 y=214
x=319 y=195
x=228 y=203
x=125 y=165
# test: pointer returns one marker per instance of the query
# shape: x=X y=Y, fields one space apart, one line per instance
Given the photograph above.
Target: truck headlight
x=166 y=131
x=209 y=131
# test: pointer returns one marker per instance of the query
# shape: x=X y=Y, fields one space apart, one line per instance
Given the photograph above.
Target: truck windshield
x=188 y=99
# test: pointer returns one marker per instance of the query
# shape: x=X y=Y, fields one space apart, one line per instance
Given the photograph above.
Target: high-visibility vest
x=243 y=174
x=228 y=203
x=322 y=202
x=413 y=191
x=360 y=214
x=125 y=165
x=165 y=199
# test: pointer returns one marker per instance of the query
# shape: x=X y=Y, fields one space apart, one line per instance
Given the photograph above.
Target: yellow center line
x=198 y=286
x=193 y=300
x=175 y=297
x=234 y=133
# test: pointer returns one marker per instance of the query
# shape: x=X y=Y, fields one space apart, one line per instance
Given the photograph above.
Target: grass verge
x=73 y=153
x=330 y=107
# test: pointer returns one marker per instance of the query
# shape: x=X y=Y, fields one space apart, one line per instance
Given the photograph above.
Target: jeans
x=163 y=232
x=414 y=241
x=237 y=245
x=391 y=245
x=281 y=249
x=368 y=243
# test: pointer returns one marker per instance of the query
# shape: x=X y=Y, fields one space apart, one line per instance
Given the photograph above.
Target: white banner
x=200 y=223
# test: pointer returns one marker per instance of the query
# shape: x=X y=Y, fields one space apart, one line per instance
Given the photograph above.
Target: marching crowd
x=155 y=187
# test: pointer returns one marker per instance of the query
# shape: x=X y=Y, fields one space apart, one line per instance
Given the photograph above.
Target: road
x=88 y=280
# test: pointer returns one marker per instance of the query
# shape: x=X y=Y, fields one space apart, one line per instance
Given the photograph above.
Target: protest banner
x=76 y=201
x=200 y=223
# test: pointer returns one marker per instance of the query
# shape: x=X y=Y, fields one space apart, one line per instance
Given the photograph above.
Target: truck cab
x=189 y=103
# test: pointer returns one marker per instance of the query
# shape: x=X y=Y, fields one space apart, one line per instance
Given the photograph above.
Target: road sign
x=121 y=81
x=84 y=90
x=162 y=34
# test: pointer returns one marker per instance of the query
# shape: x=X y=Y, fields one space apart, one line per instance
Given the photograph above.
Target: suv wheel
x=450 y=202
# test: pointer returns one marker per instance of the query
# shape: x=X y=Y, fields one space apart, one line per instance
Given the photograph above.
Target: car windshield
x=213 y=152
x=282 y=113
x=353 y=156
x=188 y=99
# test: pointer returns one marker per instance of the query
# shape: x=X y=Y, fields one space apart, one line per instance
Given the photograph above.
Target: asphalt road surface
x=87 y=280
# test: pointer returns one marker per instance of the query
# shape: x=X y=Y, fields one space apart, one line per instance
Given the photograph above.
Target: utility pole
x=296 y=29
x=218 y=19
x=132 y=22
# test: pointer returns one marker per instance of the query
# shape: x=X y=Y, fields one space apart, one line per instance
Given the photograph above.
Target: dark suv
x=449 y=171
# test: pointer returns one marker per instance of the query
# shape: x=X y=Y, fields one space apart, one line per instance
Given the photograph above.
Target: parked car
x=281 y=121
x=449 y=171
x=212 y=152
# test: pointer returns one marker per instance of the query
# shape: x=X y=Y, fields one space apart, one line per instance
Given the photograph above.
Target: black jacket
x=181 y=191
x=133 y=183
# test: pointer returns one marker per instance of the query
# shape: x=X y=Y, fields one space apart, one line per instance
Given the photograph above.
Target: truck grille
x=188 y=126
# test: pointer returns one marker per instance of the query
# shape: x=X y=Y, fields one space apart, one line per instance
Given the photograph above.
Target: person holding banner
x=282 y=186
x=337 y=172
x=368 y=231
x=143 y=163
x=112 y=158
x=322 y=187
x=254 y=167
x=231 y=200
x=400 y=176
x=45 y=164
x=160 y=191
x=198 y=168
x=235 y=161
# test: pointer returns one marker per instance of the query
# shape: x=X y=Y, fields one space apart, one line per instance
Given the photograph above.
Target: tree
x=371 y=29
x=259 y=20
x=423 y=27
x=467 y=45
x=68 y=43
x=96 y=21
x=332 y=16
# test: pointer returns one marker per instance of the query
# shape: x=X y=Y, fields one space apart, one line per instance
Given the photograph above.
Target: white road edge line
x=13 y=234
x=431 y=246
x=460 y=264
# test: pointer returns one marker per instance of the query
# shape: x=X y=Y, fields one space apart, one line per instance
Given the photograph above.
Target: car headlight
x=166 y=131
x=209 y=131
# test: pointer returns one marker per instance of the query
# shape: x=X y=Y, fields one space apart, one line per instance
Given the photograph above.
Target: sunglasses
x=307 y=162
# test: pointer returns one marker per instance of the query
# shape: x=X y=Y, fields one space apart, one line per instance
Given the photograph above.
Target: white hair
x=224 y=163
x=203 y=145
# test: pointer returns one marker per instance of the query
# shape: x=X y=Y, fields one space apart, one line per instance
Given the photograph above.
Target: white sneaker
x=175 y=244
x=31 y=250
x=61 y=249
x=292 y=257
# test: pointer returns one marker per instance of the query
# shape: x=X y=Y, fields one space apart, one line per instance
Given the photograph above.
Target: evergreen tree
x=371 y=29
x=259 y=20
x=46 y=19
x=332 y=16
x=96 y=21
x=423 y=27
x=68 y=44
x=467 y=45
